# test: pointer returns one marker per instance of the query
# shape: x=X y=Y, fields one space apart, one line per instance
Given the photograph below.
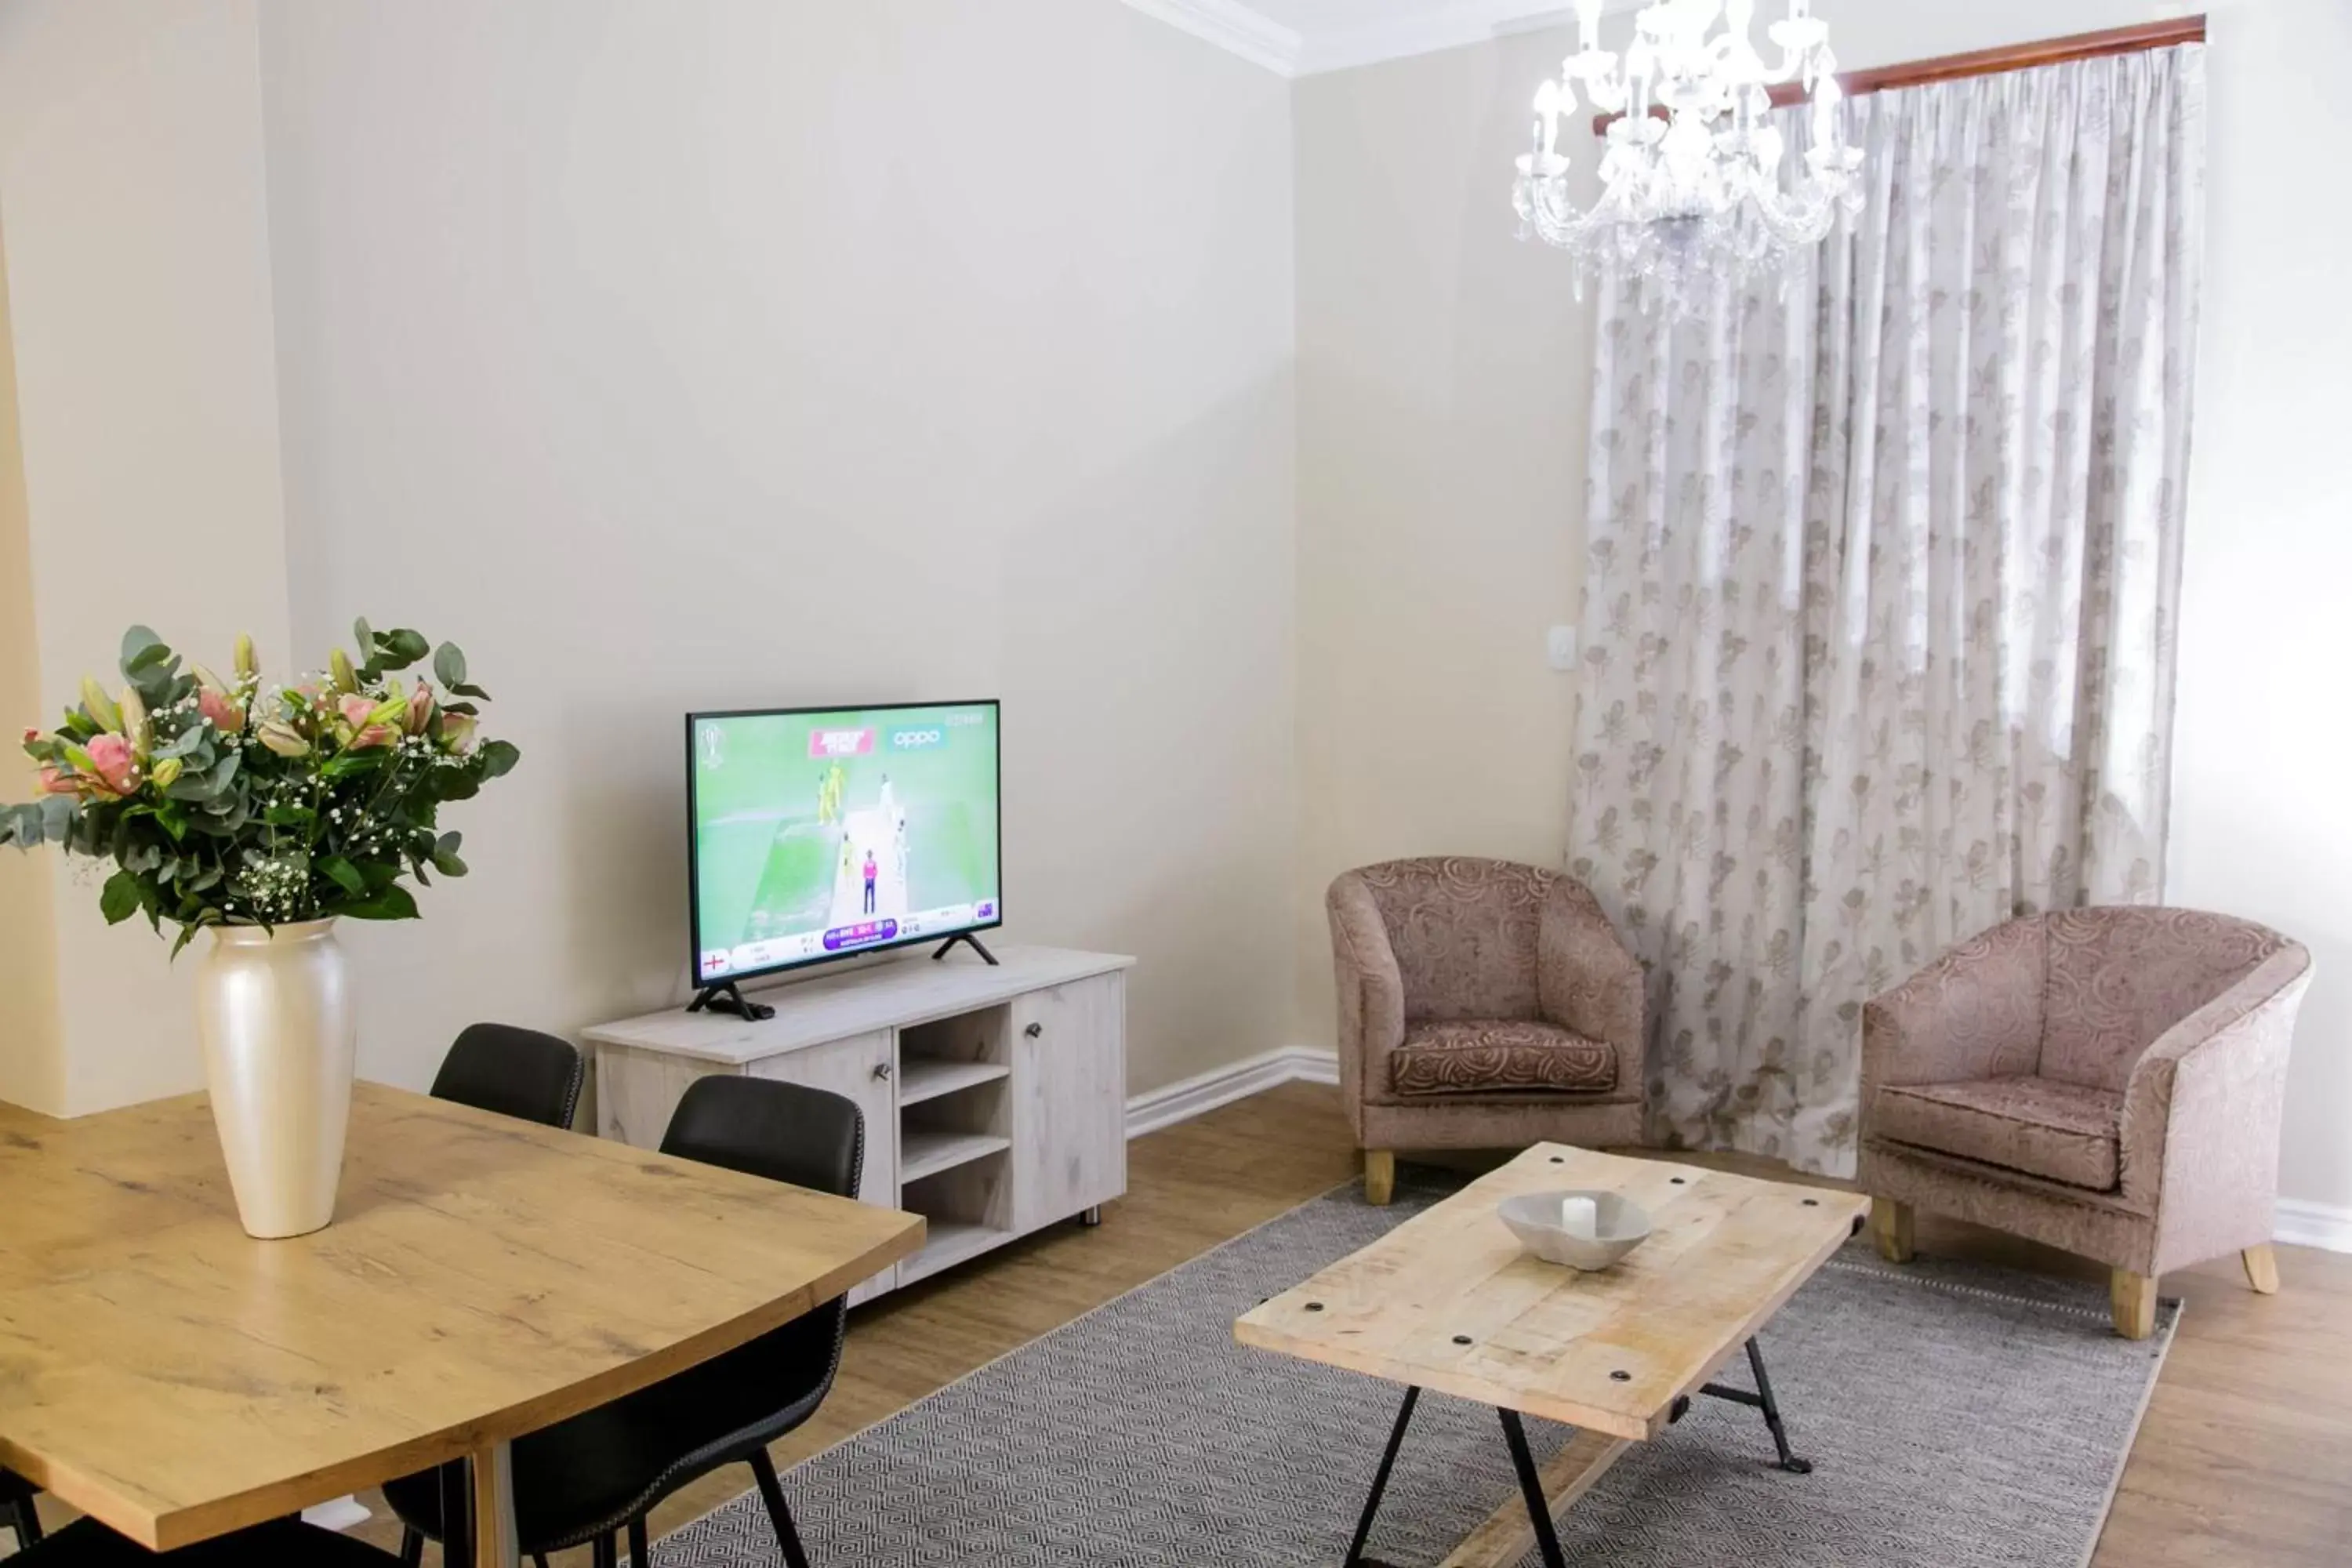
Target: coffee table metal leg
x=1762 y=1400
x=1380 y=1478
x=1531 y=1488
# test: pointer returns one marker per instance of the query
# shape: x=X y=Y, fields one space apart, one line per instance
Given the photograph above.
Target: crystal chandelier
x=1696 y=193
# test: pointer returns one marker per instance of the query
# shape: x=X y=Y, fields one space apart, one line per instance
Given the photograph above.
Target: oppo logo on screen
x=916 y=740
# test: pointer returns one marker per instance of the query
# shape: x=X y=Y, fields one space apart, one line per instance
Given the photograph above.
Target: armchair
x=2104 y=1080
x=1482 y=1004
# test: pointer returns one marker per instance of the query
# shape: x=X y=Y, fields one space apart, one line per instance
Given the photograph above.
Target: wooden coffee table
x=1447 y=1302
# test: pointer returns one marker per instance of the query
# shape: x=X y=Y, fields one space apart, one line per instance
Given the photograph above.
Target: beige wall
x=1441 y=415
x=32 y=1052
x=721 y=354
x=138 y=279
x=2259 y=825
x=1442 y=382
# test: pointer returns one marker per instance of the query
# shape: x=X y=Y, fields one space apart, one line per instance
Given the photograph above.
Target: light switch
x=1560 y=647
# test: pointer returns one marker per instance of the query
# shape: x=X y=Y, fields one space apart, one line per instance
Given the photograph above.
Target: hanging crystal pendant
x=1692 y=189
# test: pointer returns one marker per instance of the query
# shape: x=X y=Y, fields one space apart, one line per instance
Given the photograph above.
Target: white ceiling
x=1297 y=37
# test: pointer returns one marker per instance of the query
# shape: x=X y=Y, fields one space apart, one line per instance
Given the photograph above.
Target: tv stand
x=730 y=998
x=963 y=936
x=994 y=1095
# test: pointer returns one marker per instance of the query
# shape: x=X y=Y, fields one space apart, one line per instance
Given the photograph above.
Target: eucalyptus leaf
x=141 y=648
x=119 y=899
x=391 y=903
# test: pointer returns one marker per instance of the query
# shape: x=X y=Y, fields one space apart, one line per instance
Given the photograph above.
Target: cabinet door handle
x=881 y=1069
x=1033 y=1030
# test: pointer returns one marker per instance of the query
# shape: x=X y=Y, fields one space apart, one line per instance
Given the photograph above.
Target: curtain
x=1884 y=566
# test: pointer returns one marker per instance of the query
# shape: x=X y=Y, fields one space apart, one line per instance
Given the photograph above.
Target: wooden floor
x=2245 y=1456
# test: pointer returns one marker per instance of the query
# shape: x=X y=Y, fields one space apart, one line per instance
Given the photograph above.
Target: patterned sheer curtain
x=1882 y=576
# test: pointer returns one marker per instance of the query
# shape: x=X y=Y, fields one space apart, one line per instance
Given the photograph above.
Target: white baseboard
x=1182 y=1100
x=2304 y=1224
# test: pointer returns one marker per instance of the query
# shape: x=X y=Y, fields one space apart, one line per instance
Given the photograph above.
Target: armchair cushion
x=1501 y=1055
x=2061 y=1132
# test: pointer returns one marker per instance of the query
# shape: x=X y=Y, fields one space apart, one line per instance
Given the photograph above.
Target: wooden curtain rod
x=2161 y=35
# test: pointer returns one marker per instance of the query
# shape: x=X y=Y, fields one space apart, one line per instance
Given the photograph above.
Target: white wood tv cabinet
x=995 y=1098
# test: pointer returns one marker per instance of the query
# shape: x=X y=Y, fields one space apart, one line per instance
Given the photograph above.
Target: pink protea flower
x=355 y=709
x=117 y=769
x=456 y=731
x=420 y=708
x=56 y=780
x=226 y=717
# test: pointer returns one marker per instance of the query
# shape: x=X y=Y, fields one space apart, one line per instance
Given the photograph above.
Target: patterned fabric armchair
x=2104 y=1080
x=1483 y=1005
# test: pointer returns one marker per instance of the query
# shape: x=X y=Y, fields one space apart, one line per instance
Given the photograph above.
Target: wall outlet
x=1560 y=647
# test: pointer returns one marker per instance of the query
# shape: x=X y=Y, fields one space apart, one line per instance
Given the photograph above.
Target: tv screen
x=818 y=833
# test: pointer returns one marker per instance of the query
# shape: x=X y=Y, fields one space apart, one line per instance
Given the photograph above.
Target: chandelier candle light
x=1691 y=186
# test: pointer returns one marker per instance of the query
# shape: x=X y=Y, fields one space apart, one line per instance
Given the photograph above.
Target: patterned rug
x=1956 y=1417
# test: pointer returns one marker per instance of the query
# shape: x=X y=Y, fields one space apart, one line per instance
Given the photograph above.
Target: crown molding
x=1256 y=37
x=1233 y=27
x=1440 y=27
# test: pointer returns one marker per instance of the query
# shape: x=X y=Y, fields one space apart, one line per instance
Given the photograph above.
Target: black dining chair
x=16 y=1511
x=280 y=1543
x=602 y=1472
x=513 y=1071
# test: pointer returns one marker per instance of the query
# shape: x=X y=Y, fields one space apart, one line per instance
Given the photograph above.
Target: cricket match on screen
x=817 y=834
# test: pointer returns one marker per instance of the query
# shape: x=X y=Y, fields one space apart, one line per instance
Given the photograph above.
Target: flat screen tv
x=817 y=832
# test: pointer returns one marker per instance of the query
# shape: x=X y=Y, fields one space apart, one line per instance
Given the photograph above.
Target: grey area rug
x=1957 y=1416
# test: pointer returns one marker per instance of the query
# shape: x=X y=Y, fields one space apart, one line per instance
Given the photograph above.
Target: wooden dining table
x=483 y=1278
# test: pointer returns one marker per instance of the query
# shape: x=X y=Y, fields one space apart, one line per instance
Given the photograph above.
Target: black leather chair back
x=787 y=1133
x=515 y=1072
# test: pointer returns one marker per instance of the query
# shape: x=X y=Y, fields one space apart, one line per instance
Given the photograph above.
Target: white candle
x=1579 y=1217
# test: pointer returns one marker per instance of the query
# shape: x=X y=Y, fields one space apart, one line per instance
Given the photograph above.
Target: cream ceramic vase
x=274 y=1010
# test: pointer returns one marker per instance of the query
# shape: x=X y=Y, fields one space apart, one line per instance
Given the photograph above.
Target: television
x=819 y=833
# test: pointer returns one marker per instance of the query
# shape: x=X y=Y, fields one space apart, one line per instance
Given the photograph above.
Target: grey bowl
x=1619 y=1224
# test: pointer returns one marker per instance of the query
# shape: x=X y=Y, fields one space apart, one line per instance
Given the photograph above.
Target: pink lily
x=110 y=757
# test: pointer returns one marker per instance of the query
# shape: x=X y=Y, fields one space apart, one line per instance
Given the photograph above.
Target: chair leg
x=2262 y=1268
x=411 y=1548
x=771 y=1492
x=25 y=1519
x=539 y=1560
x=640 y=1552
x=1379 y=1176
x=601 y=1553
x=1890 y=1227
x=2133 y=1297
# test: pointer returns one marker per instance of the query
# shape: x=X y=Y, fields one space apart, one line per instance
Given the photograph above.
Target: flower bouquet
x=233 y=802
x=261 y=813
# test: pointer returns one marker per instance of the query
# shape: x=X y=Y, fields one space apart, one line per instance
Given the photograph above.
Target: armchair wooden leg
x=1890 y=1227
x=2133 y=1297
x=2262 y=1268
x=1379 y=1176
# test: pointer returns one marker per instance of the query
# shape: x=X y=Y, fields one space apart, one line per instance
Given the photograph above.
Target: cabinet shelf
x=946 y=1243
x=921 y=1080
x=924 y=1154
